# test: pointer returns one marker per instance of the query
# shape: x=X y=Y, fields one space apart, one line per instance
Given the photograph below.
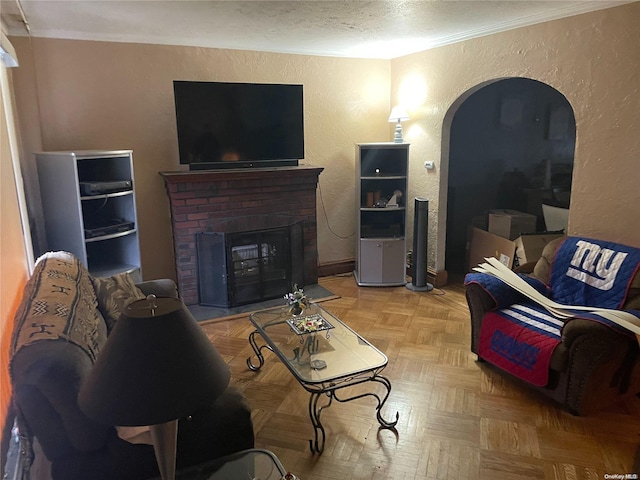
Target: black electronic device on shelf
x=88 y=188
x=100 y=227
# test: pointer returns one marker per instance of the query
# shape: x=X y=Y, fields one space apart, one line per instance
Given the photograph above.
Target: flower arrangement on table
x=296 y=300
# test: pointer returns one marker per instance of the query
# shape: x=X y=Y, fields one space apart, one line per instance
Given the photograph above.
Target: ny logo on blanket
x=593 y=272
x=594 y=266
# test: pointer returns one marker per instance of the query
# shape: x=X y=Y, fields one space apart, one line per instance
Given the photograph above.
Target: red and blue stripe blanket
x=520 y=335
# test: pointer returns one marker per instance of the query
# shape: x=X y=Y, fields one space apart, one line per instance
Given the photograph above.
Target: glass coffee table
x=324 y=355
x=253 y=464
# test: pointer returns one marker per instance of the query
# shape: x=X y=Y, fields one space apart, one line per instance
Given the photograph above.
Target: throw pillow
x=114 y=294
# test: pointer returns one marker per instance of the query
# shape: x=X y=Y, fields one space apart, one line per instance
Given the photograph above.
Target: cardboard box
x=529 y=247
x=484 y=244
x=511 y=223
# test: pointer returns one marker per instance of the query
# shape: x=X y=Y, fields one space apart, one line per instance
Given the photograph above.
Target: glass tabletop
x=316 y=346
x=254 y=464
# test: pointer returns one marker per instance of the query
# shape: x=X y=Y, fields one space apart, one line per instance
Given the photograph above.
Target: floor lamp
x=157 y=366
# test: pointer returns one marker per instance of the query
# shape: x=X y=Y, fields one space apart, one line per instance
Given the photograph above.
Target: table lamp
x=156 y=367
x=398 y=114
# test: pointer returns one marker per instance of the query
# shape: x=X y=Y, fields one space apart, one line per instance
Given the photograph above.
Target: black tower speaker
x=419 y=264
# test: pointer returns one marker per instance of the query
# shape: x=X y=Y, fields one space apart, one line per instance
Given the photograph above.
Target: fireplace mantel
x=240 y=173
x=202 y=198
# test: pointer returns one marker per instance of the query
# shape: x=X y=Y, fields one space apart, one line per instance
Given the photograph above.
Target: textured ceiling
x=367 y=29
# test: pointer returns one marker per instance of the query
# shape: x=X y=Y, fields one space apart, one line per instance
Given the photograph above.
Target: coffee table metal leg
x=384 y=381
x=257 y=350
x=383 y=423
x=317 y=445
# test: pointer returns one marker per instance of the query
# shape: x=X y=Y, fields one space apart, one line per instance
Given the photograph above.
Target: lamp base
x=165 y=439
x=397 y=138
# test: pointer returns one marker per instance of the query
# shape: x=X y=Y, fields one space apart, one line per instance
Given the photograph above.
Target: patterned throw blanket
x=59 y=304
x=520 y=335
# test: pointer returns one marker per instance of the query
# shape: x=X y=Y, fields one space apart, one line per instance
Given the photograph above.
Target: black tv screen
x=238 y=125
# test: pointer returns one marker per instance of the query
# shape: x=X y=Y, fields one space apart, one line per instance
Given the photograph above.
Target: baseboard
x=336 y=268
x=437 y=278
x=434 y=277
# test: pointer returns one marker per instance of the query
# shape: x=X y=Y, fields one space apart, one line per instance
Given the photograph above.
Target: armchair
x=593 y=364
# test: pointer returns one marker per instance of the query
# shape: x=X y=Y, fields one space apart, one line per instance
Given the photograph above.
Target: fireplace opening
x=249 y=259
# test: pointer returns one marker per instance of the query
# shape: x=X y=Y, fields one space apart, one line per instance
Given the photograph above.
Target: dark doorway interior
x=512 y=146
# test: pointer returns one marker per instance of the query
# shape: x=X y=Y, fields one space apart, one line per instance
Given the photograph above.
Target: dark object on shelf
x=101 y=228
x=104 y=187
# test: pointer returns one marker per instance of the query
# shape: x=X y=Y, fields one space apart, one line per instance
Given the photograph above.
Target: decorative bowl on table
x=309 y=324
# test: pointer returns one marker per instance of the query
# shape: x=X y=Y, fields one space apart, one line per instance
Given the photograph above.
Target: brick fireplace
x=201 y=199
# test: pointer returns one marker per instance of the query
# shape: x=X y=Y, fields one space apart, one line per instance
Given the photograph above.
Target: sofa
x=62 y=323
x=595 y=364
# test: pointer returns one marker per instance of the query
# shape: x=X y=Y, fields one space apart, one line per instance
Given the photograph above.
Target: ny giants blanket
x=520 y=335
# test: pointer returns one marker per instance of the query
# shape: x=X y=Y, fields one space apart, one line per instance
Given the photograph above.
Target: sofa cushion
x=542 y=268
x=114 y=294
x=47 y=378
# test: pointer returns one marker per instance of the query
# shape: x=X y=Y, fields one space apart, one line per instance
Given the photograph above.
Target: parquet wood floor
x=458 y=419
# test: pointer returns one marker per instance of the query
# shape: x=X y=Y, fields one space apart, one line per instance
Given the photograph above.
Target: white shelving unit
x=381 y=169
x=85 y=223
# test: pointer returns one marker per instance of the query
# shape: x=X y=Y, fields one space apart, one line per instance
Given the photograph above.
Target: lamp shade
x=157 y=366
x=398 y=114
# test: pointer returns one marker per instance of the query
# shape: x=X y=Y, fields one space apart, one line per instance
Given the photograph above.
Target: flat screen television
x=239 y=125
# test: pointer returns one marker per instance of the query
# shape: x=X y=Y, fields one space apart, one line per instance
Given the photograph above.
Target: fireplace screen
x=236 y=268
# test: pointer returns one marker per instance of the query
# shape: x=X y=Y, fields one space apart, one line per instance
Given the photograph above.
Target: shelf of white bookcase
x=107 y=195
x=383 y=177
x=110 y=236
x=381 y=209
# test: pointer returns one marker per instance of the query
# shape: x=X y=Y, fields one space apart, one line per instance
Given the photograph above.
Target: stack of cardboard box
x=510 y=237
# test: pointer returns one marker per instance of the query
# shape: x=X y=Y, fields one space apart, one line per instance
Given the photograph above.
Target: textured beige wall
x=110 y=95
x=592 y=59
x=98 y=95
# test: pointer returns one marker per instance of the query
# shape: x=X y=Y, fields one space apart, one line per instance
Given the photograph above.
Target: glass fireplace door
x=250 y=266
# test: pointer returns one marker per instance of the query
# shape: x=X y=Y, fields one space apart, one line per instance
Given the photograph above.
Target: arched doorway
x=511 y=146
